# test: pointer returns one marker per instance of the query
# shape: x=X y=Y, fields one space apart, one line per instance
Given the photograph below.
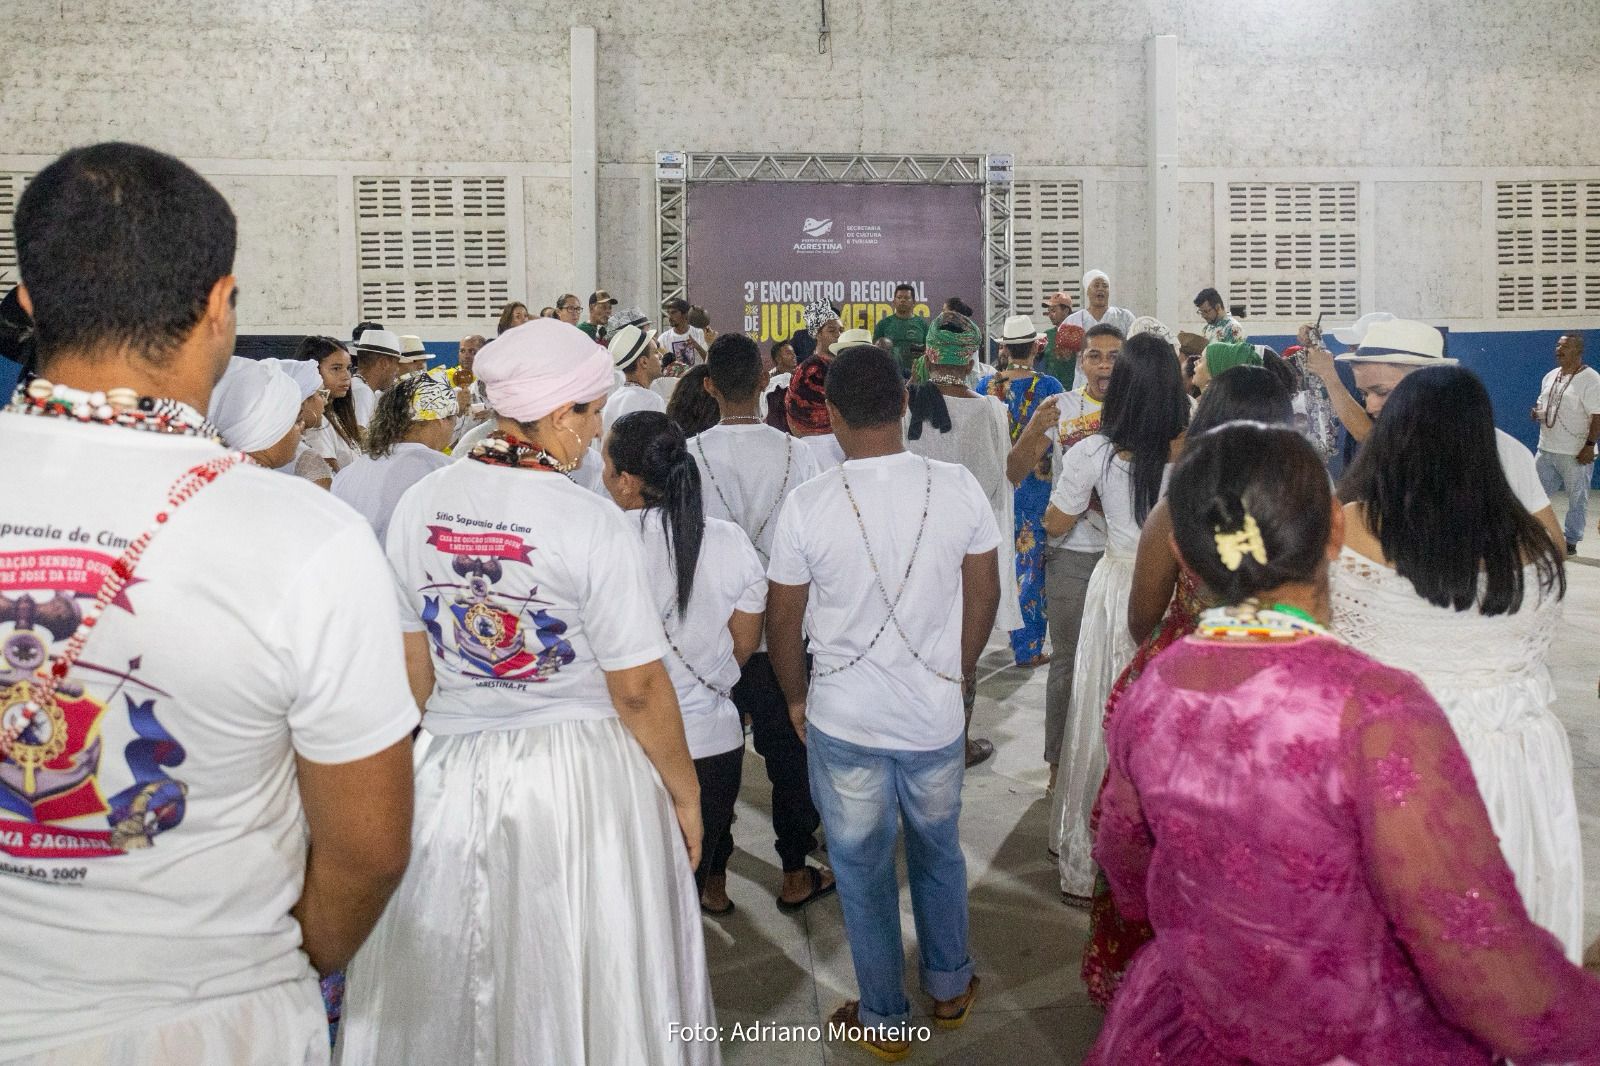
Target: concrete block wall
x=283 y=102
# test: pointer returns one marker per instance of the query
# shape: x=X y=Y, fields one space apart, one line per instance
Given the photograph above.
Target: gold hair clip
x=1233 y=547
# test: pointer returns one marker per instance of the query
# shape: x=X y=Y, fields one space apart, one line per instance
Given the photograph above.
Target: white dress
x=1104 y=647
x=548 y=914
x=979 y=439
x=1490 y=675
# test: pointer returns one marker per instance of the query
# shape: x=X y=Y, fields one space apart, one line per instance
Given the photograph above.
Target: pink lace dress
x=1302 y=829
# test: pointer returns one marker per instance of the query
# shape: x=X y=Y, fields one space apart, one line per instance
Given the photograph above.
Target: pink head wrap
x=543 y=364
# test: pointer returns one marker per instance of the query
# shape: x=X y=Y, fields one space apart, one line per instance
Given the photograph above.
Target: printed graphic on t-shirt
x=51 y=746
x=494 y=633
x=1078 y=428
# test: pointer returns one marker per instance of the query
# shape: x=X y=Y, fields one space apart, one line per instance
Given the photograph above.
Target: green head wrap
x=1220 y=357
x=952 y=340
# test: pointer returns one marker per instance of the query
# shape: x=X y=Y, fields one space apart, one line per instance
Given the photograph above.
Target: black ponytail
x=927 y=405
x=650 y=446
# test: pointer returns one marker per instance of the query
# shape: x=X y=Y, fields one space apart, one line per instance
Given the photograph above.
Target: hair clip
x=1233 y=547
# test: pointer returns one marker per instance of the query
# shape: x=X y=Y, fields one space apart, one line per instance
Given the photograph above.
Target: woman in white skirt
x=1122 y=468
x=549 y=913
x=1446 y=575
x=710 y=615
x=947 y=421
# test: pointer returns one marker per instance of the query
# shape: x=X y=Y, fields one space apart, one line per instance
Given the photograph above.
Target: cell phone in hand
x=1314 y=335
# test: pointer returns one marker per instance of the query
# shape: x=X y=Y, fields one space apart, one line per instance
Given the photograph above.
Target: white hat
x=255 y=404
x=628 y=344
x=852 y=338
x=411 y=349
x=378 y=342
x=1401 y=342
x=1351 y=335
x=1018 y=330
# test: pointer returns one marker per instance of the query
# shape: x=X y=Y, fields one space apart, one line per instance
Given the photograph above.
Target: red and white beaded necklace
x=119 y=407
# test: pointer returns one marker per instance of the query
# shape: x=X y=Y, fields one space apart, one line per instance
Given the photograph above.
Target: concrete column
x=1161 y=122
x=585 y=163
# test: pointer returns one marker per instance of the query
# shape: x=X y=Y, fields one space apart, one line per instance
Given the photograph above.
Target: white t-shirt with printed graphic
x=529 y=588
x=1079 y=420
x=887 y=699
x=152 y=840
x=1092 y=467
x=728 y=578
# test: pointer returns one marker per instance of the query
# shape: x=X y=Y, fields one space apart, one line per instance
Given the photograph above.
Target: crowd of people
x=435 y=684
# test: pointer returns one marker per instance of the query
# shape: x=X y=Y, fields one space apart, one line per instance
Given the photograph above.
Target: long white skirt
x=1104 y=650
x=1522 y=760
x=548 y=915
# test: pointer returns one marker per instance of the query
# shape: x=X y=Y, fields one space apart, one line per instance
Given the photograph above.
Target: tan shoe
x=849 y=1017
x=952 y=1013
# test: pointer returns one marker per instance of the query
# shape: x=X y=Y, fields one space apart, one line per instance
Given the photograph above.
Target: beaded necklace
x=119 y=407
x=684 y=659
x=112 y=407
x=998 y=387
x=952 y=380
x=905 y=582
x=1249 y=621
x=503 y=449
x=788 y=465
x=1553 y=397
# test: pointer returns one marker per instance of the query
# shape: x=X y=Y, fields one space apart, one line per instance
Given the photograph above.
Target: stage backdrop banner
x=760 y=251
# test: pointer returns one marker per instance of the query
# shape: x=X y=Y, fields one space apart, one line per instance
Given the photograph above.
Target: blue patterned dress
x=1022 y=397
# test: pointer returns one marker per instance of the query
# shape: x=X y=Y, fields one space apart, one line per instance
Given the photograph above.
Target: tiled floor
x=772 y=969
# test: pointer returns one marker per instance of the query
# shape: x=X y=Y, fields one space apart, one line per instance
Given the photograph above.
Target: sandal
x=848 y=1018
x=818 y=890
x=963 y=1003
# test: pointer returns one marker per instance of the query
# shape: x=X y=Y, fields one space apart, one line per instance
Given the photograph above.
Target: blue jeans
x=1558 y=472
x=863 y=795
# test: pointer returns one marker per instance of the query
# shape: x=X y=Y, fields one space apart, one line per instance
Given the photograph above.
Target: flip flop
x=818 y=890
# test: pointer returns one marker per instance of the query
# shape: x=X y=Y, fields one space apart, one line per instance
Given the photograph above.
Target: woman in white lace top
x=1446 y=575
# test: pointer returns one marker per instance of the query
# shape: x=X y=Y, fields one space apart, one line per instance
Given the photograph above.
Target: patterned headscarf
x=431 y=399
x=806 y=402
x=818 y=313
x=952 y=339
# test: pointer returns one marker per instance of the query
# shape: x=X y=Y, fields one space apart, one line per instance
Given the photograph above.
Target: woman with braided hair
x=710 y=616
x=411 y=427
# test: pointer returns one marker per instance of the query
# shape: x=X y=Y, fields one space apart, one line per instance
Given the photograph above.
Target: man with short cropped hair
x=1221 y=327
x=890 y=562
x=906 y=333
x=208 y=801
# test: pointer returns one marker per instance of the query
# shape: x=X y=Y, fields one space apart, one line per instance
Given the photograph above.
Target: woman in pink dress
x=1300 y=825
x=1164 y=608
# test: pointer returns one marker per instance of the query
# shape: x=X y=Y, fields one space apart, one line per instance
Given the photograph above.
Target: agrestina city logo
x=815 y=240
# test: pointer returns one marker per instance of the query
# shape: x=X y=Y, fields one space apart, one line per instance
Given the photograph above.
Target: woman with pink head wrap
x=557 y=818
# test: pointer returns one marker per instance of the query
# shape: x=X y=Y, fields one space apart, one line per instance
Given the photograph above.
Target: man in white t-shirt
x=1387 y=353
x=209 y=799
x=685 y=344
x=1060 y=422
x=377 y=365
x=633 y=351
x=747 y=471
x=889 y=561
x=1568 y=413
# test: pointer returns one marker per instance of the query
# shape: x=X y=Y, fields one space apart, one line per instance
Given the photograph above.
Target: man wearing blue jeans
x=888 y=563
x=1568 y=413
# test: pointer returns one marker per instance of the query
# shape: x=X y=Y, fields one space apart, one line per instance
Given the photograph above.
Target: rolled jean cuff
x=871 y=1019
x=947 y=984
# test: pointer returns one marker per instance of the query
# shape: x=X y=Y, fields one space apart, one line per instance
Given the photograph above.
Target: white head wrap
x=1149 y=324
x=303 y=372
x=255 y=404
x=543 y=364
x=1089 y=276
